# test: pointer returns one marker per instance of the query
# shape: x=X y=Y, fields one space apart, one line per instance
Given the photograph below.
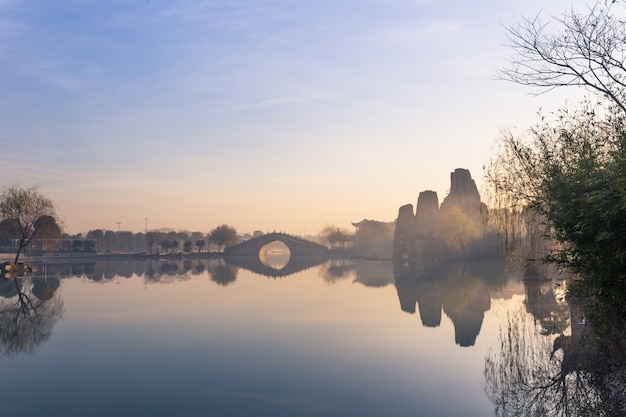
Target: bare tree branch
x=586 y=50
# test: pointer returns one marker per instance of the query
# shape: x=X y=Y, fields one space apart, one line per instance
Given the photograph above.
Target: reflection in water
x=336 y=270
x=293 y=266
x=275 y=255
x=166 y=270
x=549 y=360
x=541 y=365
x=536 y=375
x=371 y=273
x=546 y=302
x=261 y=347
x=29 y=310
x=223 y=273
x=459 y=290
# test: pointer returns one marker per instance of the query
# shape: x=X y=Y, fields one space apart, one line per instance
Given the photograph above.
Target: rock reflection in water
x=369 y=272
x=459 y=290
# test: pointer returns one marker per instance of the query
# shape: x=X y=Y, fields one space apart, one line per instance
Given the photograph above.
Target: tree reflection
x=532 y=374
x=28 y=313
x=335 y=270
x=223 y=273
x=545 y=302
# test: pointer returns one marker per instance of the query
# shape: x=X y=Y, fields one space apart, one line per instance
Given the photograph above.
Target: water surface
x=347 y=337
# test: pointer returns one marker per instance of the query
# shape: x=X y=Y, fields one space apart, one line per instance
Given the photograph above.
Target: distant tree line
x=163 y=241
x=29 y=223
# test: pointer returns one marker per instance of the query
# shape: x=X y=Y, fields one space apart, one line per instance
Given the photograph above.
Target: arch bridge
x=257 y=246
x=253 y=254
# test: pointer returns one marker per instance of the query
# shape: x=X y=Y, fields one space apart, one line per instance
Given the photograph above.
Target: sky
x=283 y=115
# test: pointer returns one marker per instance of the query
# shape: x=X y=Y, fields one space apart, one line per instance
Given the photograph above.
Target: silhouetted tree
x=47 y=228
x=166 y=245
x=223 y=235
x=200 y=243
x=335 y=236
x=98 y=236
x=25 y=206
x=151 y=239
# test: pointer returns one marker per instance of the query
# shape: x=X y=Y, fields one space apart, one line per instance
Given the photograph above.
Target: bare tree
x=587 y=49
x=24 y=207
x=335 y=236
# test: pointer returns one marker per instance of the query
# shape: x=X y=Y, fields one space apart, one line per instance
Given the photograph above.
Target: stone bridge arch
x=296 y=245
x=303 y=254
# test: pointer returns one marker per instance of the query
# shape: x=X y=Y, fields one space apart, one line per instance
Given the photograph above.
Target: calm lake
x=347 y=337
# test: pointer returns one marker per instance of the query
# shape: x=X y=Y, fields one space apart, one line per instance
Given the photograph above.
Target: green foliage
x=571 y=174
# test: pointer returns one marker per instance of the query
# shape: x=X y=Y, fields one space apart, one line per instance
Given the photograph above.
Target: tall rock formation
x=404 y=250
x=464 y=194
x=427 y=214
x=427 y=235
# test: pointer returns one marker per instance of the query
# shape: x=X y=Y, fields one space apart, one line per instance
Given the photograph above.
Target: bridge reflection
x=256 y=255
x=294 y=265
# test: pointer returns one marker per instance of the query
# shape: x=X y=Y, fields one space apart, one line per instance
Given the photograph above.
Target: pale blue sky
x=284 y=115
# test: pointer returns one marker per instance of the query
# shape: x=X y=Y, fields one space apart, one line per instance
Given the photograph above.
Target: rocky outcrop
x=404 y=245
x=427 y=214
x=464 y=195
x=430 y=236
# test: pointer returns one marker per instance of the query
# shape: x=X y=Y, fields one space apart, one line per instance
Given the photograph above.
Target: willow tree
x=23 y=208
x=570 y=173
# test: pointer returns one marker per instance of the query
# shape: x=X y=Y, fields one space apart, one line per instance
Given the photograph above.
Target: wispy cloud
x=280 y=101
x=54 y=75
x=10 y=31
x=312 y=180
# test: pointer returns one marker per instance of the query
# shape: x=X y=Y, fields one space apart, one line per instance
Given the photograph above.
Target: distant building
x=374 y=238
